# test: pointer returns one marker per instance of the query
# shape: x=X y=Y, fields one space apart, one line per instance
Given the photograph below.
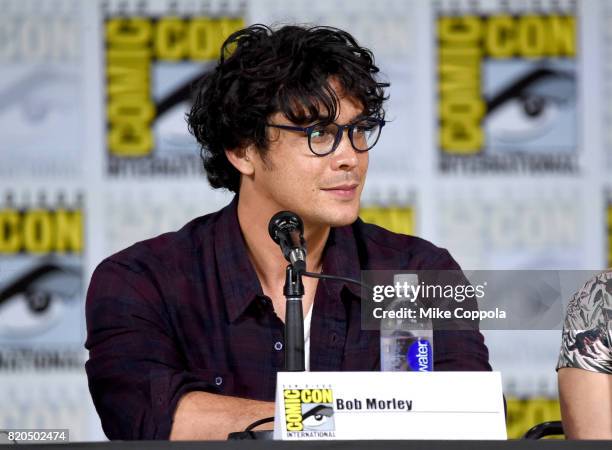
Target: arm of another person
x=138 y=379
x=586 y=403
x=583 y=370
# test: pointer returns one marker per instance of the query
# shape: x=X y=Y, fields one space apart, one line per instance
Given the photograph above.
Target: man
x=185 y=330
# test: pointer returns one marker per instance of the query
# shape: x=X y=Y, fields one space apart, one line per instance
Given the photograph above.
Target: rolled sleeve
x=136 y=372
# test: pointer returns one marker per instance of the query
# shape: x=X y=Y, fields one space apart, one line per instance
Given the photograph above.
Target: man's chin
x=341 y=220
x=331 y=215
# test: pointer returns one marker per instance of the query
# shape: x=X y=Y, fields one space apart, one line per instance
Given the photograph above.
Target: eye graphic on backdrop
x=170 y=110
x=530 y=106
x=37 y=104
x=35 y=300
x=317 y=416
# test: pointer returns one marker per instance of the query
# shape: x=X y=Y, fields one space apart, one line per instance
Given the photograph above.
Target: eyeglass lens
x=363 y=136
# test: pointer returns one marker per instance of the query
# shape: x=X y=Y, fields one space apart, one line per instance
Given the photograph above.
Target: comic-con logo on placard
x=309 y=412
x=153 y=60
x=41 y=273
x=506 y=87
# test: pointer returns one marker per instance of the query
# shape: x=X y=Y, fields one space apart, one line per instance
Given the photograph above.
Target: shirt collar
x=239 y=282
x=341 y=258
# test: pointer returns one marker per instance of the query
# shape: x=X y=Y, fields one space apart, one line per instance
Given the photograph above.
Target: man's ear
x=242 y=159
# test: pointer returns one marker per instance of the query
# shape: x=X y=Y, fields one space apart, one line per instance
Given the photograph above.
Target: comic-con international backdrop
x=499 y=149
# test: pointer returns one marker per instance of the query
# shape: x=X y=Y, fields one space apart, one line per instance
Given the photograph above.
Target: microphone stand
x=294 y=337
x=294 y=320
x=294 y=344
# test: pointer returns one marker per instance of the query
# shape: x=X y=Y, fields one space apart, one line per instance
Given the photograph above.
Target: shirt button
x=218 y=381
x=333 y=338
x=278 y=346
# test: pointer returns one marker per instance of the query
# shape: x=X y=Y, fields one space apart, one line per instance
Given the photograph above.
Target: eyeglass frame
x=340 y=131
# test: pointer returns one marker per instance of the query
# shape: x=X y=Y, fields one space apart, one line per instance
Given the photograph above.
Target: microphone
x=287 y=230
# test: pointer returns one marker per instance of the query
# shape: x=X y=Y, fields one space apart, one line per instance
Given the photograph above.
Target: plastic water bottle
x=406 y=344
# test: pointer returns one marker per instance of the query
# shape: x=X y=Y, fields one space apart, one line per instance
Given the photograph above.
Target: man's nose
x=345 y=156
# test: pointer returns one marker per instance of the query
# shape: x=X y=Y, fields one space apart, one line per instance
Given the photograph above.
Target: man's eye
x=363 y=129
x=317 y=133
x=321 y=133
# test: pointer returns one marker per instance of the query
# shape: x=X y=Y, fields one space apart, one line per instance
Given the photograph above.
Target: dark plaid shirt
x=185 y=311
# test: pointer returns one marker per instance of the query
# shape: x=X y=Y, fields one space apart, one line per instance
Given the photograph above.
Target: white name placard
x=389 y=405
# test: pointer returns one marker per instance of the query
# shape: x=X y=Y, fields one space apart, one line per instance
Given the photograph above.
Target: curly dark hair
x=262 y=71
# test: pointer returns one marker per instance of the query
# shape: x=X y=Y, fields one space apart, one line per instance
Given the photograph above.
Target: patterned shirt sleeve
x=587 y=332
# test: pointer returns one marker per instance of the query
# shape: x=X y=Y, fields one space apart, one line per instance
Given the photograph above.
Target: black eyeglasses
x=324 y=138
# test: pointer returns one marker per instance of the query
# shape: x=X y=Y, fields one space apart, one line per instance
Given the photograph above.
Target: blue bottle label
x=420 y=356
